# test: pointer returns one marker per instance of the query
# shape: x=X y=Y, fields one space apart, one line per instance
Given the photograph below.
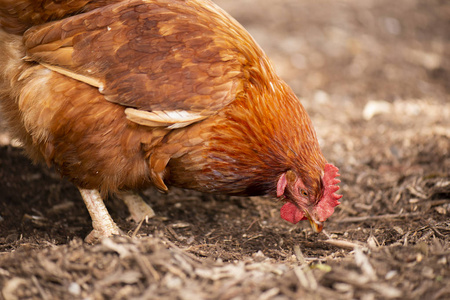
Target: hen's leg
x=102 y=222
x=138 y=208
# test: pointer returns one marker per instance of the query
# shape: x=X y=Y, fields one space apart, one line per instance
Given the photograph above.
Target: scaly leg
x=102 y=222
x=138 y=208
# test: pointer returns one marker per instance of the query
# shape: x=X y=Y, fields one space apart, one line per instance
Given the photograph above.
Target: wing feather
x=171 y=58
x=86 y=79
x=170 y=119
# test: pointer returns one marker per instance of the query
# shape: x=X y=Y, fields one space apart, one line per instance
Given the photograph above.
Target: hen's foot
x=138 y=208
x=103 y=224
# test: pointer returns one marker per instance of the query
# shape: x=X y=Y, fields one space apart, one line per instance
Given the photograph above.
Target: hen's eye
x=304 y=193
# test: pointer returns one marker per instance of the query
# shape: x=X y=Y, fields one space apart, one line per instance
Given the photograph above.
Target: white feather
x=86 y=79
x=171 y=119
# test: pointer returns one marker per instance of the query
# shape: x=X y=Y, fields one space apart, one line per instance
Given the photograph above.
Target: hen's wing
x=170 y=62
x=16 y=16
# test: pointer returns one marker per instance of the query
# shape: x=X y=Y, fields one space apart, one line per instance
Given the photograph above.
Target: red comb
x=325 y=207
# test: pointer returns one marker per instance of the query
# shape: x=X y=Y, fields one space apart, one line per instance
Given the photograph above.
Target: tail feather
x=16 y=16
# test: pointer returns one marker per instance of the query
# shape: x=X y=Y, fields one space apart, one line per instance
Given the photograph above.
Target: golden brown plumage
x=120 y=95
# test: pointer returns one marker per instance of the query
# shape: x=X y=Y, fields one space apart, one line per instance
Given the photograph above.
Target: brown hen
x=122 y=95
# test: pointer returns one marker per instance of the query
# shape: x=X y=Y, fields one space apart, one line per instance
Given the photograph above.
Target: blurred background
x=354 y=50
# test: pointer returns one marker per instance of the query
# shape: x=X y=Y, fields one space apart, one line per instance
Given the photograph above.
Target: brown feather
x=16 y=16
x=148 y=52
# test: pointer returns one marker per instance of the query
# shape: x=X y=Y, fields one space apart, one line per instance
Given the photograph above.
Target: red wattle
x=291 y=213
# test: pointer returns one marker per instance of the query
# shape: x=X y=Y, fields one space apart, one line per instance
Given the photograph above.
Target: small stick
x=343 y=244
x=39 y=287
x=300 y=257
x=180 y=251
x=146 y=267
x=138 y=227
x=303 y=273
x=379 y=217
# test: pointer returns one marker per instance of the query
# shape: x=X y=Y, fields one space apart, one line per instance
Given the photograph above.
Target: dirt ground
x=375 y=79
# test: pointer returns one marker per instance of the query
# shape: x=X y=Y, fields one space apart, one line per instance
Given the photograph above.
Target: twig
x=146 y=267
x=301 y=276
x=137 y=228
x=303 y=273
x=269 y=294
x=434 y=202
x=252 y=224
x=438 y=232
x=441 y=292
x=39 y=287
x=426 y=235
x=299 y=254
x=363 y=262
x=177 y=249
x=379 y=217
x=175 y=235
x=343 y=244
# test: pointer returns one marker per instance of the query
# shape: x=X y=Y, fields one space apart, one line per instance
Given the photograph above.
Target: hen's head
x=304 y=202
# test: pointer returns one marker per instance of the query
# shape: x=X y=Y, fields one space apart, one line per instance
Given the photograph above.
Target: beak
x=317 y=226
